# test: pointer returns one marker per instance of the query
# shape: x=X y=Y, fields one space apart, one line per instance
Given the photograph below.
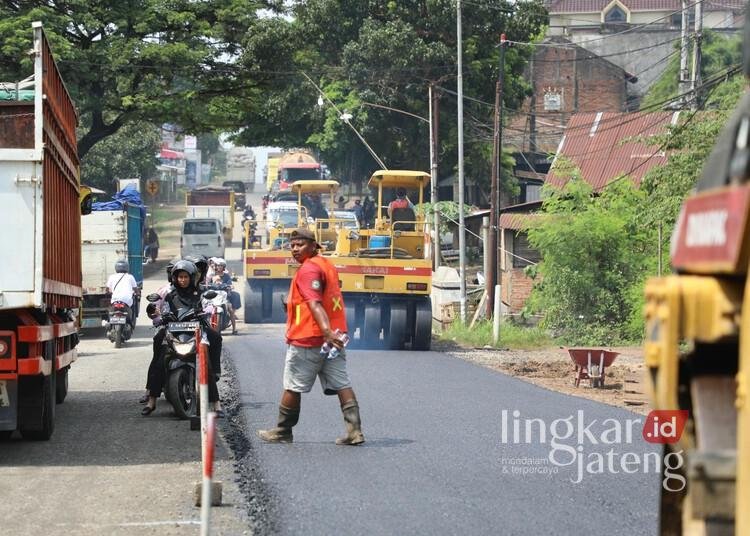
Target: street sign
x=152 y=186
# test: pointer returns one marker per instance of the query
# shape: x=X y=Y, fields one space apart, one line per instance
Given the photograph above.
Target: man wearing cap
x=315 y=310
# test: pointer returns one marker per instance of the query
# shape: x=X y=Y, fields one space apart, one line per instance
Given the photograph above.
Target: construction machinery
x=385 y=272
x=269 y=268
x=697 y=346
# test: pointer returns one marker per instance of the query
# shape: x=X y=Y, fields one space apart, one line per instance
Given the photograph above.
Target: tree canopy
x=133 y=60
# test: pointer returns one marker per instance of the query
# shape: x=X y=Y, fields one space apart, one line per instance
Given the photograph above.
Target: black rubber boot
x=353 y=423
x=288 y=417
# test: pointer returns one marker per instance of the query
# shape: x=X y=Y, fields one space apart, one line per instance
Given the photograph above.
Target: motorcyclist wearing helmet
x=123 y=287
x=185 y=293
x=223 y=280
x=153 y=310
x=201 y=263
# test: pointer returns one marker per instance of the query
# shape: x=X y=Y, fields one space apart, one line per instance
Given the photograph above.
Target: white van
x=202 y=236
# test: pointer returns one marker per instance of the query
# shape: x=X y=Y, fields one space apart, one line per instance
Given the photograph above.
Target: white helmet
x=220 y=262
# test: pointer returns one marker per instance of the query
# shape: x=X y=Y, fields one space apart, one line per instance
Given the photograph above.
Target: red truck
x=40 y=276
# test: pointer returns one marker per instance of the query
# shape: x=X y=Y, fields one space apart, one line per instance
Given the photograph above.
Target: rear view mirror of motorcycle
x=153 y=297
x=209 y=294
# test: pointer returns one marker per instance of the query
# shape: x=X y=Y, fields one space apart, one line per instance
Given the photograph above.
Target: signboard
x=152 y=186
x=191 y=143
x=710 y=232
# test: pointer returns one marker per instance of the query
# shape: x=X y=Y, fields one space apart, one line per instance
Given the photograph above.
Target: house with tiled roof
x=602 y=147
x=638 y=35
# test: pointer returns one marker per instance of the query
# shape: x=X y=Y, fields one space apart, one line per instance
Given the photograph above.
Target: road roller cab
x=386 y=273
x=269 y=268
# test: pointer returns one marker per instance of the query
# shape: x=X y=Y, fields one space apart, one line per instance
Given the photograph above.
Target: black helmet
x=122 y=266
x=201 y=263
x=401 y=192
x=189 y=267
x=170 y=267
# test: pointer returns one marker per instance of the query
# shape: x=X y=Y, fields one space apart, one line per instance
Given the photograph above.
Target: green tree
x=596 y=253
x=384 y=53
x=134 y=60
x=719 y=54
x=128 y=153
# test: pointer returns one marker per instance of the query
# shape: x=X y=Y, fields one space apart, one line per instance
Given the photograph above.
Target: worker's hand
x=330 y=337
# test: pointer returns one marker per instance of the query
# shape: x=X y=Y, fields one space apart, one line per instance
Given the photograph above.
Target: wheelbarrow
x=591 y=364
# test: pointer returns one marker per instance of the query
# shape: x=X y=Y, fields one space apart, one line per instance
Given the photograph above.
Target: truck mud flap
x=8 y=404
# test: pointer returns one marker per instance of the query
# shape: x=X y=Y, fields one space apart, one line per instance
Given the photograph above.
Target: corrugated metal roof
x=596 y=144
x=589 y=6
x=515 y=221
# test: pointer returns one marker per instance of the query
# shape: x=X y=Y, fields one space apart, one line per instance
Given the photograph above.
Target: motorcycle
x=119 y=323
x=184 y=332
x=220 y=317
x=249 y=221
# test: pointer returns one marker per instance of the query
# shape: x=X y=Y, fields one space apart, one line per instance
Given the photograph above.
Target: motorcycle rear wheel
x=180 y=391
x=118 y=336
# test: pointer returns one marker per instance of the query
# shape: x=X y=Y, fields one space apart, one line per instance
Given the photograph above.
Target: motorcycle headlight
x=184 y=348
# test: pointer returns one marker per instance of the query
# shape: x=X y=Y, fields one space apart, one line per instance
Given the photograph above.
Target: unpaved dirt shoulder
x=553 y=369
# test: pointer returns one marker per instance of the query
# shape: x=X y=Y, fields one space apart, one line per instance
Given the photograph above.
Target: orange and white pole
x=203 y=395
x=208 y=473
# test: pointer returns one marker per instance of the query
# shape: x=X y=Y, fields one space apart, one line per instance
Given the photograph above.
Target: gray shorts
x=302 y=365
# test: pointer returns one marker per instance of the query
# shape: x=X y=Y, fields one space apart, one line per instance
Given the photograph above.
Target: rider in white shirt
x=122 y=285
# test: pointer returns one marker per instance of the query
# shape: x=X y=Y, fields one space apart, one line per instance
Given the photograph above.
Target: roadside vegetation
x=511 y=336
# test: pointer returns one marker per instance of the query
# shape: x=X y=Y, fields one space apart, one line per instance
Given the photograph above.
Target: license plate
x=182 y=326
x=4 y=396
x=117 y=320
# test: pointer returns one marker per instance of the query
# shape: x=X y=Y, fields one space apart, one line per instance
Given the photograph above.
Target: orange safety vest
x=300 y=323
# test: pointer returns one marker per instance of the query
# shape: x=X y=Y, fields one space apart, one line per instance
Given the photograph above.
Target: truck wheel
x=38 y=417
x=180 y=391
x=61 y=387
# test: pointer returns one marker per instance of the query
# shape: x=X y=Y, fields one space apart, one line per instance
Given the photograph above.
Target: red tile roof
x=596 y=144
x=588 y=6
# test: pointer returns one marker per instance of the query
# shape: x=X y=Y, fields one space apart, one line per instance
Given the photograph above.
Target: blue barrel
x=380 y=242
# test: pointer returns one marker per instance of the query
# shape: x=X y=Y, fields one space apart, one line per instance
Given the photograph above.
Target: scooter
x=119 y=323
x=220 y=318
x=184 y=332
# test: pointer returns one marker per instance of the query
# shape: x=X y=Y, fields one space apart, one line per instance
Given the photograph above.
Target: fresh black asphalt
x=433 y=462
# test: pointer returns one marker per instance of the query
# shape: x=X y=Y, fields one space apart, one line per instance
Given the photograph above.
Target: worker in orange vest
x=315 y=317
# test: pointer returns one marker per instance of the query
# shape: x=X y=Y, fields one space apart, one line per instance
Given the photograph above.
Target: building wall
x=515 y=285
x=585 y=82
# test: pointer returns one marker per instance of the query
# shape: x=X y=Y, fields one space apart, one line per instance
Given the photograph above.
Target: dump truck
x=40 y=276
x=697 y=344
x=108 y=236
x=296 y=166
x=212 y=202
x=386 y=272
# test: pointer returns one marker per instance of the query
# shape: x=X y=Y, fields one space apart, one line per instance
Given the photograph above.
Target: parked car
x=348 y=219
x=202 y=236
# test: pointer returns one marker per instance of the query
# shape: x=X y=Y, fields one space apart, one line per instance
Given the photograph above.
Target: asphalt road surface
x=434 y=461
x=108 y=470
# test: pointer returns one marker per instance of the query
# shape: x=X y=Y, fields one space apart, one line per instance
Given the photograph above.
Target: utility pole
x=696 y=82
x=434 y=175
x=684 y=76
x=461 y=222
x=493 y=278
